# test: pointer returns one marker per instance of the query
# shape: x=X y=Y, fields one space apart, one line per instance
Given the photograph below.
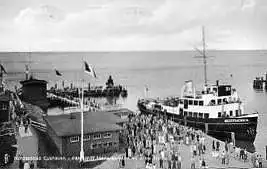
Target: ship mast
x=204 y=55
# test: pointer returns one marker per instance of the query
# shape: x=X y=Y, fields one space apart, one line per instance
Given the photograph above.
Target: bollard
x=266 y=151
x=233 y=138
x=206 y=128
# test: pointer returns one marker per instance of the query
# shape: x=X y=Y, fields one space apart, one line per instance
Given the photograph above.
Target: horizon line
x=118 y=51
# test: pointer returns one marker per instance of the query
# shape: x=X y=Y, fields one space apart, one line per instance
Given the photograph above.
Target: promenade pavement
x=27 y=147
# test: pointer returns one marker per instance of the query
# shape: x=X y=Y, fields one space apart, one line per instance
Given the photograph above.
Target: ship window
x=219 y=101
x=224 y=114
x=190 y=114
x=195 y=114
x=74 y=139
x=181 y=111
x=201 y=103
x=190 y=102
x=185 y=113
x=219 y=114
x=236 y=113
x=231 y=113
x=206 y=115
x=4 y=107
x=181 y=102
x=195 y=102
x=225 y=100
x=200 y=115
x=212 y=102
x=97 y=136
x=107 y=135
x=86 y=137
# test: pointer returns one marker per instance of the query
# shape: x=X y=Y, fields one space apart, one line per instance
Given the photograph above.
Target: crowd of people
x=158 y=141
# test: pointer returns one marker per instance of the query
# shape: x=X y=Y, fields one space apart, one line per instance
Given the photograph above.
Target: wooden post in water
x=233 y=138
x=206 y=128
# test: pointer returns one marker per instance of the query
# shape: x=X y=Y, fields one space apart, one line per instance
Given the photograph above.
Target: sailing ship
x=216 y=109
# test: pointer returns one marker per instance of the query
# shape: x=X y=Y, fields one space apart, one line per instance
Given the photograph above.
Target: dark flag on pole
x=3 y=69
x=58 y=73
x=89 y=69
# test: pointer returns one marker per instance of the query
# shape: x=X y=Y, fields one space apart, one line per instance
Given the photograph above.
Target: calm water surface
x=163 y=72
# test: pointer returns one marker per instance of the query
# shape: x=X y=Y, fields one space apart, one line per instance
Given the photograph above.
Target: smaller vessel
x=259 y=83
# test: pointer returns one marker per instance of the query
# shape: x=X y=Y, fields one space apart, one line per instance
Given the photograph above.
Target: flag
x=89 y=69
x=27 y=69
x=146 y=88
x=58 y=73
x=2 y=68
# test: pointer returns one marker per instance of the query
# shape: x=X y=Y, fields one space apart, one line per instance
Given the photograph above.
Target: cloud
x=247 y=4
x=130 y=24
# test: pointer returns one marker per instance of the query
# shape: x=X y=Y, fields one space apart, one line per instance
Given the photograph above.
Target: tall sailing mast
x=203 y=55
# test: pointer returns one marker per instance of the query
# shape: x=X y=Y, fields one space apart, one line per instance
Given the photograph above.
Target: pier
x=69 y=101
x=182 y=145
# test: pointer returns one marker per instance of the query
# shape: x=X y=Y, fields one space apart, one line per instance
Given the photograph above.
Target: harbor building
x=34 y=92
x=5 y=106
x=101 y=131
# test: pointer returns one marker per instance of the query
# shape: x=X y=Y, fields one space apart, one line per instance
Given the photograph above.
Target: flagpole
x=82 y=150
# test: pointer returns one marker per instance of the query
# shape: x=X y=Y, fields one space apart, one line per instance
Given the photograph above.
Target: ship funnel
x=217 y=82
x=188 y=88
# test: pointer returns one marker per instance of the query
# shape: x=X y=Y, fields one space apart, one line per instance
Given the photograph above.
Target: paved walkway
x=27 y=147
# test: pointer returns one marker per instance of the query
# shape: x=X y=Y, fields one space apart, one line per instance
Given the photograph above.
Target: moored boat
x=216 y=109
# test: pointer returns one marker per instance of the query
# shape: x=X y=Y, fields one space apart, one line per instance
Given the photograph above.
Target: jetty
x=110 y=90
x=69 y=101
x=168 y=143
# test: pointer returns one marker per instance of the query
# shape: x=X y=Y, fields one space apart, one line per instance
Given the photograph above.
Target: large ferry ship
x=216 y=109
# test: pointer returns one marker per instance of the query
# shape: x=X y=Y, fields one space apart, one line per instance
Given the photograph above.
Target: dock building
x=101 y=132
x=34 y=92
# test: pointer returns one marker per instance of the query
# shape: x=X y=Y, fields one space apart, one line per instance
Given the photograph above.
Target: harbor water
x=163 y=73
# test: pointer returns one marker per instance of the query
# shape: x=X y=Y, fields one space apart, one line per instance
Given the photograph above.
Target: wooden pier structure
x=69 y=101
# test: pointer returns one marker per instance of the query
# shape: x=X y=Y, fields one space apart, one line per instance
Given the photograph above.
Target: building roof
x=99 y=121
x=32 y=81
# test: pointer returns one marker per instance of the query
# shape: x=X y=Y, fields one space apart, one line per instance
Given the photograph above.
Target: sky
x=131 y=25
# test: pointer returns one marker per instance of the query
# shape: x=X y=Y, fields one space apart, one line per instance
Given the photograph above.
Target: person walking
x=217 y=146
x=26 y=165
x=213 y=145
x=260 y=161
x=179 y=163
x=31 y=165
x=193 y=163
x=223 y=158
x=123 y=162
x=160 y=162
x=21 y=164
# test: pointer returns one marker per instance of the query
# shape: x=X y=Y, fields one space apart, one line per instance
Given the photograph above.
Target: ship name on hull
x=235 y=120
